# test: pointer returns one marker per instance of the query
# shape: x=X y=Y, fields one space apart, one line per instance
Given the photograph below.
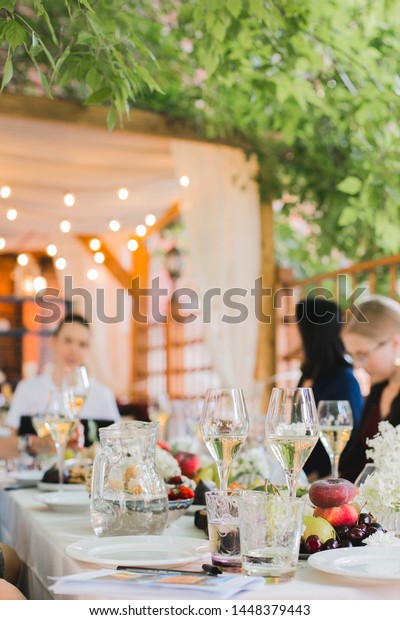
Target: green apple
x=317 y=526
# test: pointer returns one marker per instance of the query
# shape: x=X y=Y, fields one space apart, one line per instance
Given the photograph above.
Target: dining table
x=40 y=537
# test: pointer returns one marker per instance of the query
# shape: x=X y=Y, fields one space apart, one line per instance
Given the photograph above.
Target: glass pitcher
x=128 y=494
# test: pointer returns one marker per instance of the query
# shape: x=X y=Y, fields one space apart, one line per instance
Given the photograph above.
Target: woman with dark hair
x=70 y=345
x=325 y=368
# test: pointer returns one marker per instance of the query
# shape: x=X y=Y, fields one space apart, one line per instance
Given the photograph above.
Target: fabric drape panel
x=220 y=209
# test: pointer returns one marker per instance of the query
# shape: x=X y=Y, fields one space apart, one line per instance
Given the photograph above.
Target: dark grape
x=313 y=544
x=364 y=518
x=373 y=528
x=345 y=543
x=303 y=548
x=342 y=531
x=331 y=543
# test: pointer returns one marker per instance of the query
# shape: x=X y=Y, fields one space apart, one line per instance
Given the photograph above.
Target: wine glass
x=59 y=418
x=336 y=424
x=224 y=426
x=77 y=384
x=291 y=428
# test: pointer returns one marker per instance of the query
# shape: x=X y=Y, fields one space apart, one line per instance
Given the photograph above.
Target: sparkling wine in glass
x=291 y=428
x=335 y=424
x=59 y=418
x=224 y=427
x=77 y=384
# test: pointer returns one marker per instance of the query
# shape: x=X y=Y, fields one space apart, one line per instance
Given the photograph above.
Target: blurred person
x=70 y=344
x=372 y=339
x=10 y=568
x=325 y=368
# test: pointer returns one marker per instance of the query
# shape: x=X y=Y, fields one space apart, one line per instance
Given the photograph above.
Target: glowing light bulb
x=94 y=245
x=184 y=181
x=114 y=225
x=141 y=230
x=61 y=263
x=99 y=258
x=123 y=193
x=132 y=245
x=5 y=191
x=39 y=283
x=2 y=243
x=12 y=214
x=65 y=226
x=22 y=260
x=51 y=249
x=69 y=200
x=92 y=274
x=150 y=219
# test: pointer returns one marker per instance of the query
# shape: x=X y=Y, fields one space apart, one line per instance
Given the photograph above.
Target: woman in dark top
x=373 y=341
x=325 y=368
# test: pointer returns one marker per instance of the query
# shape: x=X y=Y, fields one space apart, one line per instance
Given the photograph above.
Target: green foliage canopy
x=313 y=88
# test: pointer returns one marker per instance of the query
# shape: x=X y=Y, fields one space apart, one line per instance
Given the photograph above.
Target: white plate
x=374 y=564
x=65 y=502
x=53 y=486
x=140 y=551
x=28 y=478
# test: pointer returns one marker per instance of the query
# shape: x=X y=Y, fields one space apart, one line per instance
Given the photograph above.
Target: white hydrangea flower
x=166 y=464
x=382 y=539
x=250 y=466
x=185 y=443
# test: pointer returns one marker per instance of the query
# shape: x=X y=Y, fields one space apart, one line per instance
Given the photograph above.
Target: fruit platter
x=337 y=520
x=180 y=497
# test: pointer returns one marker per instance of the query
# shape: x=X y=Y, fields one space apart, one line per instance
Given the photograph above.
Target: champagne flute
x=291 y=428
x=224 y=428
x=59 y=418
x=77 y=384
x=336 y=424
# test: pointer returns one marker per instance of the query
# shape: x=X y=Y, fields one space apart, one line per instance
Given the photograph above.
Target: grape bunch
x=346 y=535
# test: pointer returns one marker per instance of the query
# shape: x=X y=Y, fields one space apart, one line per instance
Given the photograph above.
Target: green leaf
x=14 y=34
x=86 y=4
x=234 y=7
x=350 y=185
x=8 y=72
x=111 y=118
x=8 y=5
x=348 y=216
x=99 y=96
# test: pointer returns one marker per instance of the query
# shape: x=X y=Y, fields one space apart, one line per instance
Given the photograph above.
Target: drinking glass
x=291 y=428
x=59 y=418
x=223 y=529
x=224 y=426
x=335 y=424
x=77 y=384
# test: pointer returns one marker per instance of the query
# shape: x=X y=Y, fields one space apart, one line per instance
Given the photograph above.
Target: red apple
x=331 y=492
x=188 y=462
x=347 y=514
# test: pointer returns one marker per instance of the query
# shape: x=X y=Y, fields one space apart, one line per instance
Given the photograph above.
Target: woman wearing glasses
x=372 y=339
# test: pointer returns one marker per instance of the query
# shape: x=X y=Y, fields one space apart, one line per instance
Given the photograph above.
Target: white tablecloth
x=40 y=536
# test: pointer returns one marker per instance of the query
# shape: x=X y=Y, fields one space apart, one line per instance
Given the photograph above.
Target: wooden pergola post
x=266 y=362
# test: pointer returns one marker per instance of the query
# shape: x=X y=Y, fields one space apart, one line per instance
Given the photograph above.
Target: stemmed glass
x=59 y=418
x=336 y=424
x=77 y=384
x=224 y=427
x=291 y=428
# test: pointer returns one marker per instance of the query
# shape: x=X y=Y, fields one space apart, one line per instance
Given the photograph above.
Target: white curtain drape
x=220 y=209
x=111 y=343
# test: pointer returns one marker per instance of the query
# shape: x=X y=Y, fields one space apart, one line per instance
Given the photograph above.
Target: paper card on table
x=106 y=582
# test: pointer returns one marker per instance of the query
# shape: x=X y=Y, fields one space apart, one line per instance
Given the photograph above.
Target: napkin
x=128 y=583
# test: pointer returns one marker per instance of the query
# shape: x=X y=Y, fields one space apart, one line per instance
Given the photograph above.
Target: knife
x=208 y=569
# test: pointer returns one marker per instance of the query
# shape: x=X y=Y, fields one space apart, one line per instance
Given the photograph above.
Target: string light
x=69 y=200
x=92 y=274
x=22 y=260
x=132 y=245
x=114 y=225
x=61 y=263
x=51 y=249
x=5 y=191
x=39 y=283
x=65 y=226
x=12 y=214
x=123 y=193
x=94 y=244
x=99 y=258
x=150 y=219
x=184 y=181
x=141 y=230
x=2 y=243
